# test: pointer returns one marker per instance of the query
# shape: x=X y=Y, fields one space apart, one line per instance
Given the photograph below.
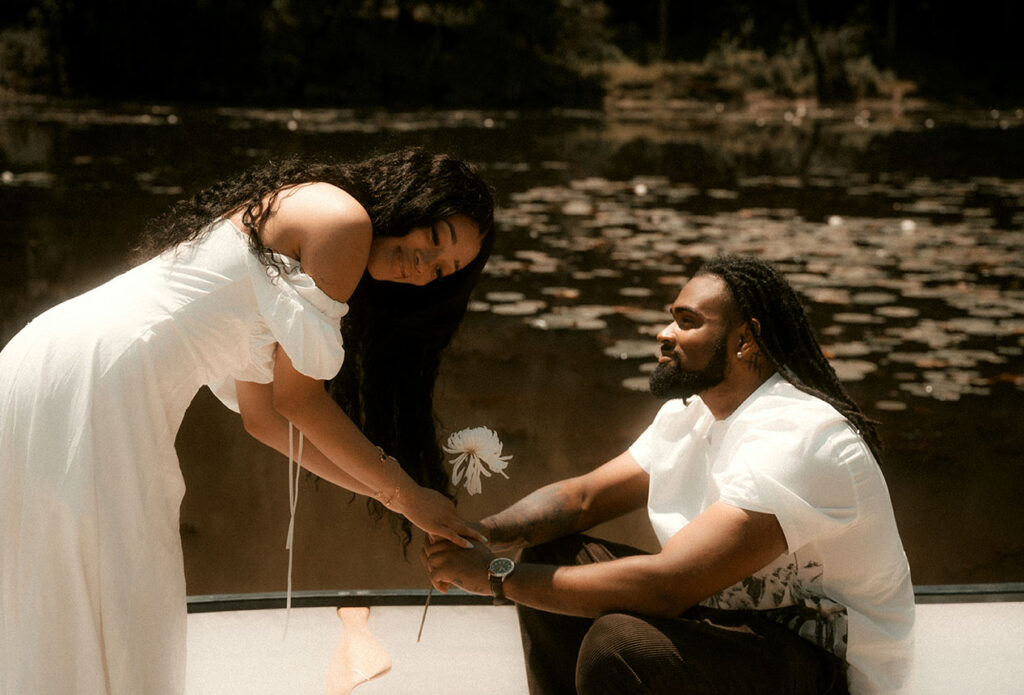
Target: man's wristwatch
x=497 y=572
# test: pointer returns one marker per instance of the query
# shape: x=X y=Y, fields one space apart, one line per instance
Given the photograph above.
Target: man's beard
x=669 y=380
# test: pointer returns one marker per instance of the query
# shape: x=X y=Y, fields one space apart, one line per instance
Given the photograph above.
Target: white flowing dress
x=92 y=393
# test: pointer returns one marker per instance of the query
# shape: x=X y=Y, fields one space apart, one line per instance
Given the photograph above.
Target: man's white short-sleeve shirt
x=844 y=582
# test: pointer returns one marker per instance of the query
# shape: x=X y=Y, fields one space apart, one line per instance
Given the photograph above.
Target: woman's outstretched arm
x=266 y=425
x=303 y=401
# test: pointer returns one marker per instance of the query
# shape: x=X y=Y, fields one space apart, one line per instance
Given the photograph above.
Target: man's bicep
x=722 y=546
x=615 y=488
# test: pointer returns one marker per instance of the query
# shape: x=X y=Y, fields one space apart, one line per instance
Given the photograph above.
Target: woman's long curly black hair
x=394 y=333
x=786 y=337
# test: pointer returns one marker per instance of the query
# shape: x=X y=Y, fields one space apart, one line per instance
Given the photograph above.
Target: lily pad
x=561 y=292
x=523 y=307
x=505 y=296
x=637 y=383
x=853 y=370
x=855 y=318
x=853 y=348
x=897 y=312
x=553 y=322
x=873 y=298
x=645 y=315
x=632 y=349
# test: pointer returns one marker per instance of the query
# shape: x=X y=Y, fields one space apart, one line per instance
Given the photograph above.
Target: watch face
x=500 y=566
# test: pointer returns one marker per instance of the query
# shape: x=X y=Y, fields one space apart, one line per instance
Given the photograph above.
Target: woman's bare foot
x=358 y=656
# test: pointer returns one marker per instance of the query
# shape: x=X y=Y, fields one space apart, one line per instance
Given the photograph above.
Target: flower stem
x=424 y=618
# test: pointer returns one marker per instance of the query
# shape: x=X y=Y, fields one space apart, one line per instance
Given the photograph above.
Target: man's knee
x=611 y=658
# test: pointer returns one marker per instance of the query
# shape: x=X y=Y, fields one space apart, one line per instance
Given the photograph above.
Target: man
x=781 y=568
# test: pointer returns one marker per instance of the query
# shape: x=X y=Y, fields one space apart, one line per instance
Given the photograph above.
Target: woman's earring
x=739 y=354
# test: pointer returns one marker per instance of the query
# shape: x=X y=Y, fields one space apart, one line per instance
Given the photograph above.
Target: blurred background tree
x=501 y=53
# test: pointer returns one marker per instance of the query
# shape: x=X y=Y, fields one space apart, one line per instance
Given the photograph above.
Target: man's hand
x=448 y=564
x=501 y=541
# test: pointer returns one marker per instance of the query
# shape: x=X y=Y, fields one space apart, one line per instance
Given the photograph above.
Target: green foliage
x=792 y=71
x=585 y=37
x=396 y=53
x=455 y=53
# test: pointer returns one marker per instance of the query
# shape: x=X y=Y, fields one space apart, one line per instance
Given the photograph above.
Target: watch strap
x=498 y=590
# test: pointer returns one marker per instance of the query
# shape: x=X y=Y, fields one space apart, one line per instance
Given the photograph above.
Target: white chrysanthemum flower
x=479 y=453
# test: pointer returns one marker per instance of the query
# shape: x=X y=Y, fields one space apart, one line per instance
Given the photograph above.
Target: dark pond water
x=903 y=230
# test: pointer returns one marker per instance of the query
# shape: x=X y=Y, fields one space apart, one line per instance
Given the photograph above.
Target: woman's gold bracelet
x=379 y=494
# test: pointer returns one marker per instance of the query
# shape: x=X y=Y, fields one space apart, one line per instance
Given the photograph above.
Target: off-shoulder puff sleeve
x=291 y=311
x=300 y=317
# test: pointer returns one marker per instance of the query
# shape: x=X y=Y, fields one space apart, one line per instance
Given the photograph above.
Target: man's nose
x=667 y=335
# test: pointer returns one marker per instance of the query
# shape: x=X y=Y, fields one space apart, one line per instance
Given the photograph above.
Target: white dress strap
x=294 y=459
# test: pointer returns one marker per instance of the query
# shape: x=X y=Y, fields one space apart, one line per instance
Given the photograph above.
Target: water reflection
x=931 y=302
x=903 y=229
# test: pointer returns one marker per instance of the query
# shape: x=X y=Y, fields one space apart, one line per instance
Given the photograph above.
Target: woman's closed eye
x=434 y=236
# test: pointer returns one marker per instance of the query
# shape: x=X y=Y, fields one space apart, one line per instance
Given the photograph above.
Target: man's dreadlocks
x=786 y=338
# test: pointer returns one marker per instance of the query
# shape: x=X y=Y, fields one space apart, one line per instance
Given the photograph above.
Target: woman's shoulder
x=327 y=231
x=317 y=207
x=326 y=197
x=308 y=207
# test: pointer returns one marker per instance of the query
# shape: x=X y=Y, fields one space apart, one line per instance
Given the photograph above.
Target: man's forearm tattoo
x=549 y=513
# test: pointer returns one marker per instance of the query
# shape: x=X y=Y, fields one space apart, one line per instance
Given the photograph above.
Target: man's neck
x=724 y=399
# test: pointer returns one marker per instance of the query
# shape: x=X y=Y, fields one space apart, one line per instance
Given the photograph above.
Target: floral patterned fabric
x=791 y=595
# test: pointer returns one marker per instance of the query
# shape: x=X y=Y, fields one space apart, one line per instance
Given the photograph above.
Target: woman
x=251 y=280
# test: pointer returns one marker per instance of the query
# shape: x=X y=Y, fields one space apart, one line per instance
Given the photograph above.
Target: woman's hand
x=435 y=514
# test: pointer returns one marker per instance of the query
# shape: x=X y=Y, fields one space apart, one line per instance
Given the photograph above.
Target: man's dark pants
x=702 y=651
